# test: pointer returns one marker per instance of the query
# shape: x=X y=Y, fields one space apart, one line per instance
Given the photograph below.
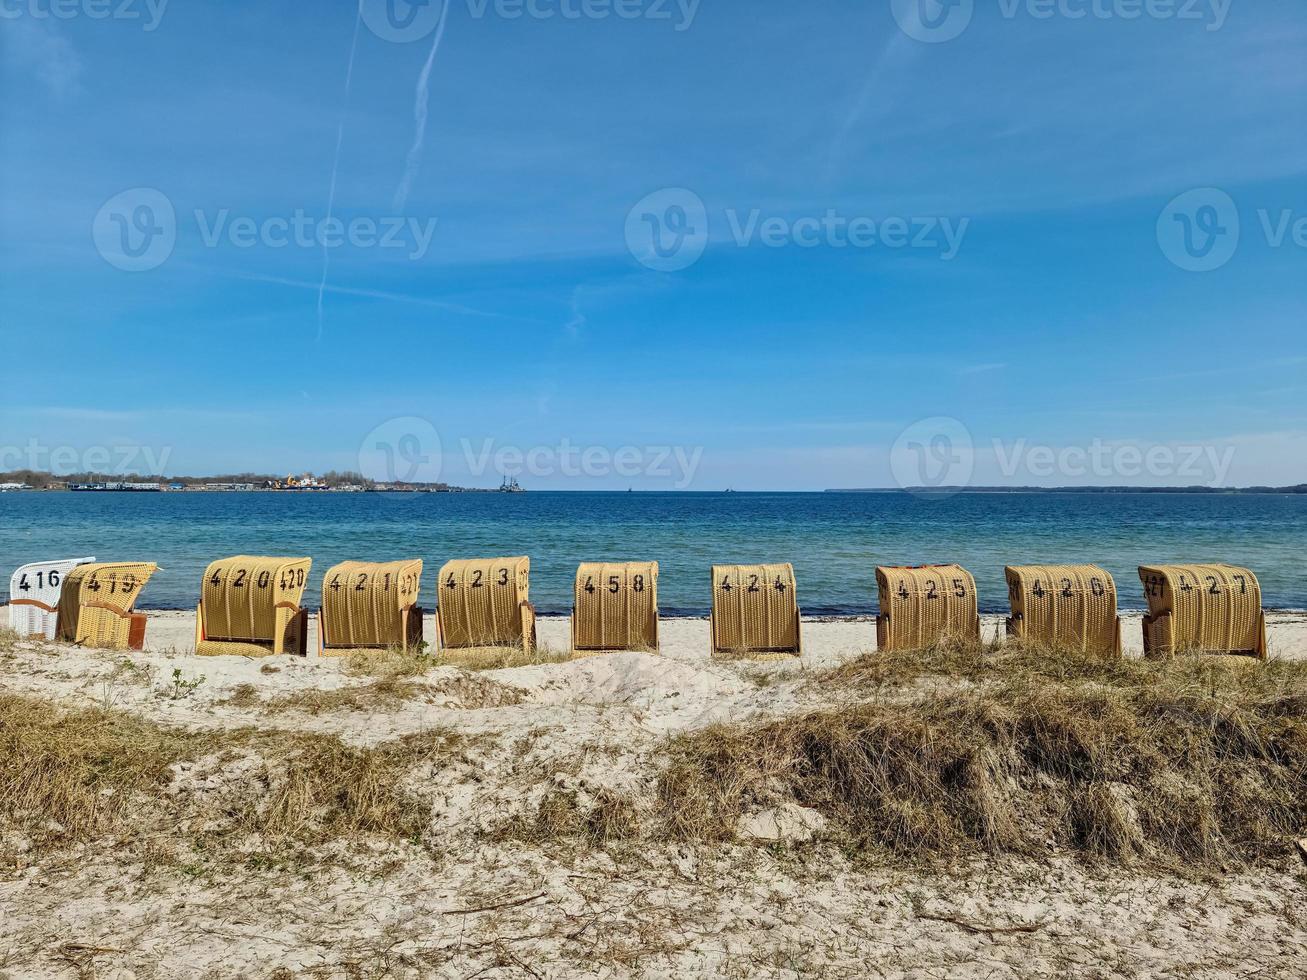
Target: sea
x=834 y=540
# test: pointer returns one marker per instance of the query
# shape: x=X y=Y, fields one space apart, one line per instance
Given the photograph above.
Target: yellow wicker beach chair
x=370 y=605
x=250 y=607
x=616 y=607
x=1208 y=608
x=485 y=602
x=926 y=605
x=95 y=605
x=1065 y=606
x=34 y=596
x=755 y=612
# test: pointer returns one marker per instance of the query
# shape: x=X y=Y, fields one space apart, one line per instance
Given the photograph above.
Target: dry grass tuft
x=243 y=696
x=324 y=790
x=77 y=775
x=1174 y=762
x=393 y=662
x=382 y=695
x=566 y=816
x=500 y=658
x=8 y=640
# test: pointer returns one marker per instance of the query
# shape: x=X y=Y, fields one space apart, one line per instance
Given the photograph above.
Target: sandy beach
x=494 y=891
x=826 y=641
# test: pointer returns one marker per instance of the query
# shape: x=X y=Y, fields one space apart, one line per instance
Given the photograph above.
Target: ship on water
x=510 y=485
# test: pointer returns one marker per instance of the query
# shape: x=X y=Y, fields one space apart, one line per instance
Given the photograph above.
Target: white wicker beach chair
x=34 y=596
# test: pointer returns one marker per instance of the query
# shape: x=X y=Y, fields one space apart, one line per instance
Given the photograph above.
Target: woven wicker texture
x=367 y=605
x=485 y=602
x=95 y=605
x=34 y=596
x=616 y=606
x=755 y=610
x=1211 y=608
x=923 y=606
x=252 y=601
x=1065 y=606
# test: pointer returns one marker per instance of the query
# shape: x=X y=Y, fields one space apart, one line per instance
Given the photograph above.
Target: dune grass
x=70 y=775
x=1179 y=762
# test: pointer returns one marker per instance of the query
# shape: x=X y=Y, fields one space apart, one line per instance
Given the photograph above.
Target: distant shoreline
x=941 y=491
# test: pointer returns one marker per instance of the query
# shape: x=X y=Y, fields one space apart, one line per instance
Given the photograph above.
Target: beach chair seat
x=755 y=612
x=925 y=605
x=34 y=596
x=370 y=606
x=615 y=607
x=484 y=603
x=1213 y=609
x=96 y=603
x=250 y=607
x=1065 y=606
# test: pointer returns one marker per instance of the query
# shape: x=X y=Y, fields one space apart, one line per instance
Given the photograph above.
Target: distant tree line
x=41 y=480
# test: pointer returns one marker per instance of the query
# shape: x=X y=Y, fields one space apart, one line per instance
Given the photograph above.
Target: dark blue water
x=834 y=540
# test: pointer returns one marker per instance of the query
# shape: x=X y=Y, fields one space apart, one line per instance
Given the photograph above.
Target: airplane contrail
x=420 y=117
x=335 y=163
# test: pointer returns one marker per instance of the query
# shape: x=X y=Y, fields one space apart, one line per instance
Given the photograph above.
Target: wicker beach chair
x=485 y=603
x=925 y=605
x=1065 y=606
x=250 y=607
x=34 y=596
x=95 y=605
x=370 y=605
x=755 y=612
x=1203 y=608
x=615 y=608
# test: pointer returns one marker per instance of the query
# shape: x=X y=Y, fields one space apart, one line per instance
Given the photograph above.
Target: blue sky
x=1059 y=319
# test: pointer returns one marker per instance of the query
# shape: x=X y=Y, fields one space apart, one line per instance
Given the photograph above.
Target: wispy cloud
x=335 y=160
x=37 y=47
x=414 y=161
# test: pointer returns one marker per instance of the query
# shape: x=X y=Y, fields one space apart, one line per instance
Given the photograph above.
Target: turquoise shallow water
x=834 y=540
